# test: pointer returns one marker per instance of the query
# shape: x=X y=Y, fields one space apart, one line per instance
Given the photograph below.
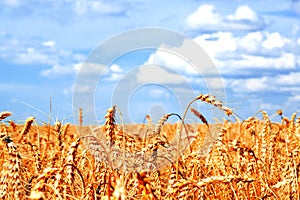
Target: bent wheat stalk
x=162 y=121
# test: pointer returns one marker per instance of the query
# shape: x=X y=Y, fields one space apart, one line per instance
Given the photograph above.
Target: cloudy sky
x=254 y=45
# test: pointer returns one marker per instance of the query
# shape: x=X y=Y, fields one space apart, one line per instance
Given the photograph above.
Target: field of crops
x=250 y=159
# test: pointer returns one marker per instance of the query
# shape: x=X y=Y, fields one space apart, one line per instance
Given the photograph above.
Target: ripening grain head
x=4 y=115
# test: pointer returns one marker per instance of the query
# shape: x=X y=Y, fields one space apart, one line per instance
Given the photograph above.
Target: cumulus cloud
x=217 y=43
x=250 y=85
x=172 y=61
x=284 y=61
x=253 y=50
x=275 y=40
x=244 y=13
x=158 y=74
x=186 y=59
x=278 y=83
x=113 y=73
x=206 y=18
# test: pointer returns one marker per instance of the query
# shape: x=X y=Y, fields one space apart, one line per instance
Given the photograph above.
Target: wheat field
x=250 y=159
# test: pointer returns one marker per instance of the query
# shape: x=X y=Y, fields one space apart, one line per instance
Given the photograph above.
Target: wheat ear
x=162 y=121
x=110 y=124
x=4 y=115
x=13 y=126
x=200 y=116
x=80 y=117
x=26 y=128
x=149 y=120
x=11 y=179
x=71 y=160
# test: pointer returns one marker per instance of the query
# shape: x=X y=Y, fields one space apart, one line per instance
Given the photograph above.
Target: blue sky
x=255 y=46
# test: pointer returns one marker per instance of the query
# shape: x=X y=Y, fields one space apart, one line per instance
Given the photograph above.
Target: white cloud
x=284 y=61
x=275 y=40
x=250 y=85
x=90 y=69
x=57 y=70
x=279 y=83
x=157 y=74
x=262 y=42
x=288 y=79
x=49 y=43
x=251 y=42
x=114 y=77
x=185 y=59
x=33 y=56
x=244 y=13
x=116 y=68
x=114 y=73
x=217 y=43
x=171 y=61
x=205 y=18
x=36 y=52
x=254 y=50
x=205 y=15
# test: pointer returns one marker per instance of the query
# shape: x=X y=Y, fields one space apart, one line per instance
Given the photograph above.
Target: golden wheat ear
x=162 y=121
x=148 y=119
x=26 y=128
x=110 y=124
x=4 y=115
x=280 y=113
x=71 y=155
x=80 y=117
x=200 y=116
x=210 y=99
x=11 y=177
